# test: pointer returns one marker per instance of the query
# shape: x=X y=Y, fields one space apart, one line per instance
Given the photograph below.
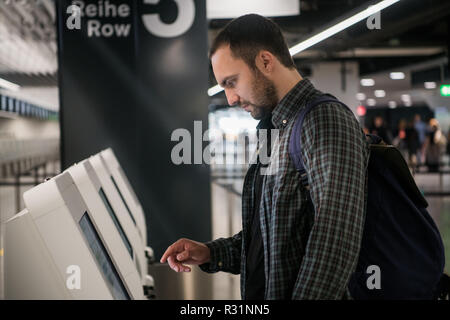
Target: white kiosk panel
x=58 y=228
x=126 y=191
x=102 y=214
x=122 y=213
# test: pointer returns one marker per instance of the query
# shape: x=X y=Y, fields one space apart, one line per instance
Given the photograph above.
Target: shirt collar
x=292 y=102
x=265 y=123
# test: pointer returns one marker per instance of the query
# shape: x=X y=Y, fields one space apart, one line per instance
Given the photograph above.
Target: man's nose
x=232 y=97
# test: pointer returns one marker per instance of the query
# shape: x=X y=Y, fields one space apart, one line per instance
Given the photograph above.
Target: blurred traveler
x=412 y=144
x=379 y=128
x=400 y=139
x=288 y=248
x=434 y=146
x=421 y=128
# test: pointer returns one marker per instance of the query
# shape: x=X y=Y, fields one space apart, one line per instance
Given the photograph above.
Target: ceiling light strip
x=341 y=26
x=8 y=85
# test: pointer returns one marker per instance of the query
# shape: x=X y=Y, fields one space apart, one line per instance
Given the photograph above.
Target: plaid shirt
x=310 y=248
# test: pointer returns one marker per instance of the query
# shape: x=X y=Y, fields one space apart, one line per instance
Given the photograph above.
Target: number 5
x=185 y=19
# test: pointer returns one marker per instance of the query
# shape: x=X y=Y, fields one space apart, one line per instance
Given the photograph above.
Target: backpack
x=399 y=235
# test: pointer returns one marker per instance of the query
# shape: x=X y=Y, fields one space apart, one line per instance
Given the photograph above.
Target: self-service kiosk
x=58 y=248
x=111 y=225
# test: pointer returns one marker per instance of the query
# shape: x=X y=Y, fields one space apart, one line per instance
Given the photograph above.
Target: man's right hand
x=188 y=252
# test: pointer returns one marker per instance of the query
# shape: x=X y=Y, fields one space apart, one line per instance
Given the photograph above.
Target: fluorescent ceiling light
x=392 y=104
x=407 y=103
x=9 y=85
x=406 y=98
x=214 y=90
x=371 y=102
x=341 y=26
x=397 y=75
x=360 y=96
x=380 y=93
x=220 y=9
x=367 y=82
x=336 y=28
x=430 y=85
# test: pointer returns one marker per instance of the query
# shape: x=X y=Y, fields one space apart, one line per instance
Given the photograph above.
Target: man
x=289 y=247
x=379 y=128
x=422 y=130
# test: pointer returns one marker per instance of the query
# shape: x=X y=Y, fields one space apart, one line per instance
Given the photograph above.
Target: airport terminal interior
x=91 y=111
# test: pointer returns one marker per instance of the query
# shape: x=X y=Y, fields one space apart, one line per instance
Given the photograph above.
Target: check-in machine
x=111 y=225
x=59 y=248
x=123 y=213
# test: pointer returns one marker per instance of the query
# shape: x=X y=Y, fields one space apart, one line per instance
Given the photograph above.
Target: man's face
x=247 y=88
x=378 y=122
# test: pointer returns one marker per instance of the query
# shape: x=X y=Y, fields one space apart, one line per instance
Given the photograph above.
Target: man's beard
x=265 y=95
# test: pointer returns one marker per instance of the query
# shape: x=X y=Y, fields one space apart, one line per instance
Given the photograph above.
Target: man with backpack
x=303 y=222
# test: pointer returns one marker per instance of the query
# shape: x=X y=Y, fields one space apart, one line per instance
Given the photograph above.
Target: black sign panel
x=132 y=72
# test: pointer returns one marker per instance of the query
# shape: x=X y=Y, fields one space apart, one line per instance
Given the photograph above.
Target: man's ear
x=265 y=61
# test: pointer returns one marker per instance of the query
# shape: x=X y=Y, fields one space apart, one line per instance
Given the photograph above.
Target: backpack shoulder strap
x=295 y=145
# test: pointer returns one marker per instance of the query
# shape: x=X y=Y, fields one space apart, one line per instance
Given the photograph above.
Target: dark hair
x=249 y=34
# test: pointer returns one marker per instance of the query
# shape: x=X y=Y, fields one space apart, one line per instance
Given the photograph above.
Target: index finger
x=173 y=249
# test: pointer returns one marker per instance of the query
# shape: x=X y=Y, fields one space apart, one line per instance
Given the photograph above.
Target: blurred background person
x=379 y=128
x=400 y=139
x=434 y=146
x=413 y=145
x=366 y=130
x=421 y=128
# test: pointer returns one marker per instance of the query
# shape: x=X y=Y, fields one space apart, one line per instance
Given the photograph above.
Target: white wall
x=326 y=77
x=45 y=97
x=25 y=128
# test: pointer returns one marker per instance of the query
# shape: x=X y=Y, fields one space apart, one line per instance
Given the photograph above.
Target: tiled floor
x=439 y=207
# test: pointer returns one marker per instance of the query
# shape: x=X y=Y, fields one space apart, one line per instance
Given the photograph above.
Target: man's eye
x=230 y=84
